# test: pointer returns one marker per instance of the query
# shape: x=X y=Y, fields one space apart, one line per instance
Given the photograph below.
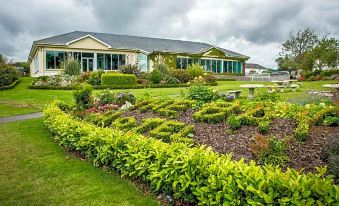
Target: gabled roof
x=145 y=44
x=254 y=66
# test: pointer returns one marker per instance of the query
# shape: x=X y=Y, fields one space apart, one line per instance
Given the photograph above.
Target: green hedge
x=138 y=86
x=11 y=86
x=118 y=79
x=196 y=175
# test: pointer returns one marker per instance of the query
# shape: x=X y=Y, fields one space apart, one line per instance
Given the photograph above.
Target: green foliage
x=182 y=75
x=214 y=113
x=95 y=77
x=118 y=79
x=196 y=175
x=82 y=97
x=234 y=122
x=266 y=96
x=332 y=154
x=149 y=124
x=155 y=76
x=131 y=69
x=264 y=126
x=162 y=68
x=122 y=97
x=301 y=131
x=331 y=121
x=124 y=123
x=269 y=150
x=8 y=75
x=171 y=80
x=201 y=93
x=107 y=96
x=109 y=117
x=72 y=68
x=195 y=70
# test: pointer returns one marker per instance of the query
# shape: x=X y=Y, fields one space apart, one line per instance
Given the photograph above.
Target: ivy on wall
x=168 y=59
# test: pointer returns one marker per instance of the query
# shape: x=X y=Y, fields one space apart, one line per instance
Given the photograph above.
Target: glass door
x=87 y=64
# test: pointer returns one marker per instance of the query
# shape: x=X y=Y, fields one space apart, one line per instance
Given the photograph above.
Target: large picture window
x=55 y=59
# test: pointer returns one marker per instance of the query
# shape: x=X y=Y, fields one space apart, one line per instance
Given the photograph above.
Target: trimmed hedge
x=11 y=86
x=138 y=86
x=196 y=175
x=118 y=79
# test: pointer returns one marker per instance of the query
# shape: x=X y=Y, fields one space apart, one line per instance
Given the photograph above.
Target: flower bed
x=194 y=174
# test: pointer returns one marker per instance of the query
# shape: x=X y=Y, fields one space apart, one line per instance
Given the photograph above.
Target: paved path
x=21 y=117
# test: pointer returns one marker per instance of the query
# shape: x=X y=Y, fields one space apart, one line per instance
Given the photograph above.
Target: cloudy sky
x=252 y=27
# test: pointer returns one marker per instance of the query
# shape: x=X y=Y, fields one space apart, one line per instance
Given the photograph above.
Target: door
x=87 y=64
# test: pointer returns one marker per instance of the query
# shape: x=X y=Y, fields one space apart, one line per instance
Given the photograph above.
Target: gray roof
x=254 y=66
x=146 y=44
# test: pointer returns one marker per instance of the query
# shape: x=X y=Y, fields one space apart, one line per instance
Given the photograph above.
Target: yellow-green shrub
x=196 y=175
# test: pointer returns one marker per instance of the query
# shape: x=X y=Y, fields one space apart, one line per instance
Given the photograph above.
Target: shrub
x=8 y=75
x=182 y=75
x=155 y=76
x=171 y=80
x=301 y=132
x=95 y=77
x=149 y=124
x=195 y=175
x=195 y=70
x=332 y=154
x=317 y=78
x=234 y=122
x=118 y=79
x=83 y=97
x=122 y=97
x=109 y=117
x=72 y=68
x=124 y=123
x=331 y=121
x=210 y=78
x=162 y=68
x=202 y=93
x=269 y=150
x=131 y=69
x=311 y=78
x=106 y=97
x=264 y=126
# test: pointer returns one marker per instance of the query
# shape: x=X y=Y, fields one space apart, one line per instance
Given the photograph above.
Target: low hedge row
x=138 y=86
x=196 y=175
x=108 y=79
x=11 y=86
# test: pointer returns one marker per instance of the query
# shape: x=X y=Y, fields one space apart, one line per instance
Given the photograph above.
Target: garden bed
x=11 y=86
x=306 y=155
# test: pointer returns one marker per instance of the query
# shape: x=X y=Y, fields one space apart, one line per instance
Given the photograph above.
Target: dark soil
x=303 y=155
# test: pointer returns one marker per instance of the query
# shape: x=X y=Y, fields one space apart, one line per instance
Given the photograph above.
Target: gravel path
x=21 y=117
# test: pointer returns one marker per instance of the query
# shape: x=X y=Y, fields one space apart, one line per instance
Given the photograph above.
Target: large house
x=254 y=69
x=111 y=51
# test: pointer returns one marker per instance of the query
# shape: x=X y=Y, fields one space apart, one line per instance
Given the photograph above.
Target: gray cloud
x=252 y=27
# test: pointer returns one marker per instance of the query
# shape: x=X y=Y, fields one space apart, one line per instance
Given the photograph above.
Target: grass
x=34 y=100
x=35 y=171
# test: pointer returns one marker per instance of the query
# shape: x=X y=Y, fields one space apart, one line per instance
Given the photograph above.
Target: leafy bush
x=331 y=121
x=95 y=77
x=266 y=96
x=72 y=68
x=118 y=79
x=131 y=69
x=182 y=75
x=202 y=93
x=83 y=97
x=269 y=150
x=264 y=126
x=155 y=76
x=311 y=78
x=195 y=70
x=332 y=154
x=106 y=97
x=8 y=75
x=122 y=97
x=196 y=175
x=125 y=123
x=162 y=68
x=210 y=78
x=171 y=80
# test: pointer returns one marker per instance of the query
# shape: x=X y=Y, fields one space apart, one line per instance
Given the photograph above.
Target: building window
x=115 y=61
x=178 y=60
x=122 y=60
x=36 y=64
x=55 y=59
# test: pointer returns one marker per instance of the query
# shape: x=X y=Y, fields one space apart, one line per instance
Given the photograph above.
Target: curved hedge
x=11 y=86
x=196 y=175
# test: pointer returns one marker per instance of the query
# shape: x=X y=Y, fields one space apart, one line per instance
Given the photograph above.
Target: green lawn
x=36 y=171
x=22 y=100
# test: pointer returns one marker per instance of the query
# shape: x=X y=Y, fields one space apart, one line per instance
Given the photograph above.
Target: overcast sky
x=252 y=27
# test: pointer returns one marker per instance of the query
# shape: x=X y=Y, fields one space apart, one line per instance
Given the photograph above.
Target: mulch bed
x=303 y=155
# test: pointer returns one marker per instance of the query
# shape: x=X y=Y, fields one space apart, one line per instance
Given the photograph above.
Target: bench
x=235 y=93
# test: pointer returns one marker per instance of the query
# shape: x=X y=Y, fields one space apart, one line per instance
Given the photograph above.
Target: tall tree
x=294 y=49
x=326 y=53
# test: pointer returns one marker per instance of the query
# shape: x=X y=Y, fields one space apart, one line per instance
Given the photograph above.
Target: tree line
x=307 y=51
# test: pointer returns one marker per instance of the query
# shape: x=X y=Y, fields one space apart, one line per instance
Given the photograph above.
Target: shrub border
x=11 y=86
x=197 y=175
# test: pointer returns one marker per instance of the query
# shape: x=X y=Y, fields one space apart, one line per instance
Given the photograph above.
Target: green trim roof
x=146 y=44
